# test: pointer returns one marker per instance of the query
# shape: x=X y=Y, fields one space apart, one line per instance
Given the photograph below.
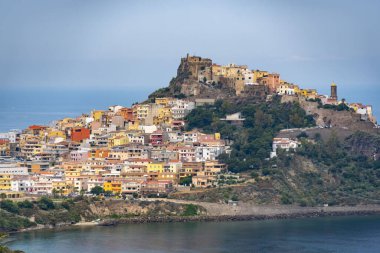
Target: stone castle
x=197 y=76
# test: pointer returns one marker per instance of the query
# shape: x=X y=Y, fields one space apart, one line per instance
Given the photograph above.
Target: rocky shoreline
x=260 y=213
x=223 y=218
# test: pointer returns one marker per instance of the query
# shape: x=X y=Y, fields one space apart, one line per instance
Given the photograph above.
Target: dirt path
x=219 y=209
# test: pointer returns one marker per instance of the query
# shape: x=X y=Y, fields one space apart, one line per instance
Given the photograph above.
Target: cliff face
x=191 y=66
x=72 y=211
x=188 y=83
x=365 y=144
x=330 y=118
x=122 y=208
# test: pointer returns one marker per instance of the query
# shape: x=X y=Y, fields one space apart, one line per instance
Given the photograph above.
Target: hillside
x=194 y=80
x=334 y=165
x=48 y=213
x=332 y=169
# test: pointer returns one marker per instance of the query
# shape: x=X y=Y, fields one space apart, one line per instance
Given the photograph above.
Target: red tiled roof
x=4 y=141
x=36 y=127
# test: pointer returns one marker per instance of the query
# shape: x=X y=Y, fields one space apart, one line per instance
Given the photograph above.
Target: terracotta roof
x=36 y=127
x=3 y=141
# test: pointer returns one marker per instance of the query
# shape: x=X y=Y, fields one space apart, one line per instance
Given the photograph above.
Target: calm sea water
x=19 y=109
x=330 y=234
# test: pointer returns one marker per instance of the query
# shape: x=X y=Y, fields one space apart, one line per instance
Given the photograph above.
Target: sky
x=134 y=47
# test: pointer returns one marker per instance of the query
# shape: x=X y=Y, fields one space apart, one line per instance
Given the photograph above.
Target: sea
x=22 y=108
x=350 y=234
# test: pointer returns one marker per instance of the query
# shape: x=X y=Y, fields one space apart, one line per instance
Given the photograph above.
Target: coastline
x=249 y=217
x=278 y=213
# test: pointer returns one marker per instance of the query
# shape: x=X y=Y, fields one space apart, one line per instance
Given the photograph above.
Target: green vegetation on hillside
x=57 y=212
x=341 y=176
x=252 y=141
x=12 y=222
x=5 y=249
x=329 y=171
x=16 y=215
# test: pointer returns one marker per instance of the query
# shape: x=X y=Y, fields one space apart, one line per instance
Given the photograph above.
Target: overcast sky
x=125 y=45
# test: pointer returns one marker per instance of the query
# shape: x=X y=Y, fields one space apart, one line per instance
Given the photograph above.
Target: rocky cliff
x=330 y=118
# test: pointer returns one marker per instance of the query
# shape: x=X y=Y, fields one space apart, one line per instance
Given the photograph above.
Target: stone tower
x=192 y=65
x=334 y=91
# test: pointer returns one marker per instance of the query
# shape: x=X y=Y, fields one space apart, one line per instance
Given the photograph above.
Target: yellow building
x=162 y=101
x=164 y=116
x=172 y=176
x=297 y=89
x=72 y=174
x=155 y=167
x=5 y=182
x=133 y=125
x=257 y=74
x=97 y=115
x=62 y=187
x=187 y=172
x=56 y=133
x=118 y=140
x=112 y=186
x=308 y=93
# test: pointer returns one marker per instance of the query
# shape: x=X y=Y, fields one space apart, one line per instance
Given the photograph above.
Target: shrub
x=302 y=135
x=266 y=172
x=286 y=199
x=235 y=198
x=11 y=222
x=303 y=202
x=254 y=175
x=186 y=180
x=45 y=203
x=9 y=206
x=25 y=204
x=190 y=210
x=97 y=190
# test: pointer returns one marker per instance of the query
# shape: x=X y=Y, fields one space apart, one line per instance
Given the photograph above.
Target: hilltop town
x=150 y=149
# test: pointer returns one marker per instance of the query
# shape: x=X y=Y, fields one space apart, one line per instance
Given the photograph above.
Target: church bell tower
x=334 y=91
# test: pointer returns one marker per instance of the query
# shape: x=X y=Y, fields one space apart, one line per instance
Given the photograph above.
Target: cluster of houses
x=242 y=79
x=143 y=150
x=365 y=111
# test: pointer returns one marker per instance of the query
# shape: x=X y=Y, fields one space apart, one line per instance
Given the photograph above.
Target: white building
x=173 y=136
x=115 y=108
x=13 y=169
x=205 y=153
x=11 y=135
x=283 y=143
x=180 y=108
x=286 y=89
x=22 y=184
x=191 y=136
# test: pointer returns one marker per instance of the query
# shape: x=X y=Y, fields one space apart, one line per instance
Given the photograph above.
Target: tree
x=186 y=180
x=97 y=190
x=25 y=204
x=45 y=203
x=302 y=135
x=55 y=193
x=10 y=206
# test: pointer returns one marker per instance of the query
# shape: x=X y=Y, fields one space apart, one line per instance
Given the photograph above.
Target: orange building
x=127 y=114
x=271 y=80
x=99 y=153
x=36 y=130
x=79 y=134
